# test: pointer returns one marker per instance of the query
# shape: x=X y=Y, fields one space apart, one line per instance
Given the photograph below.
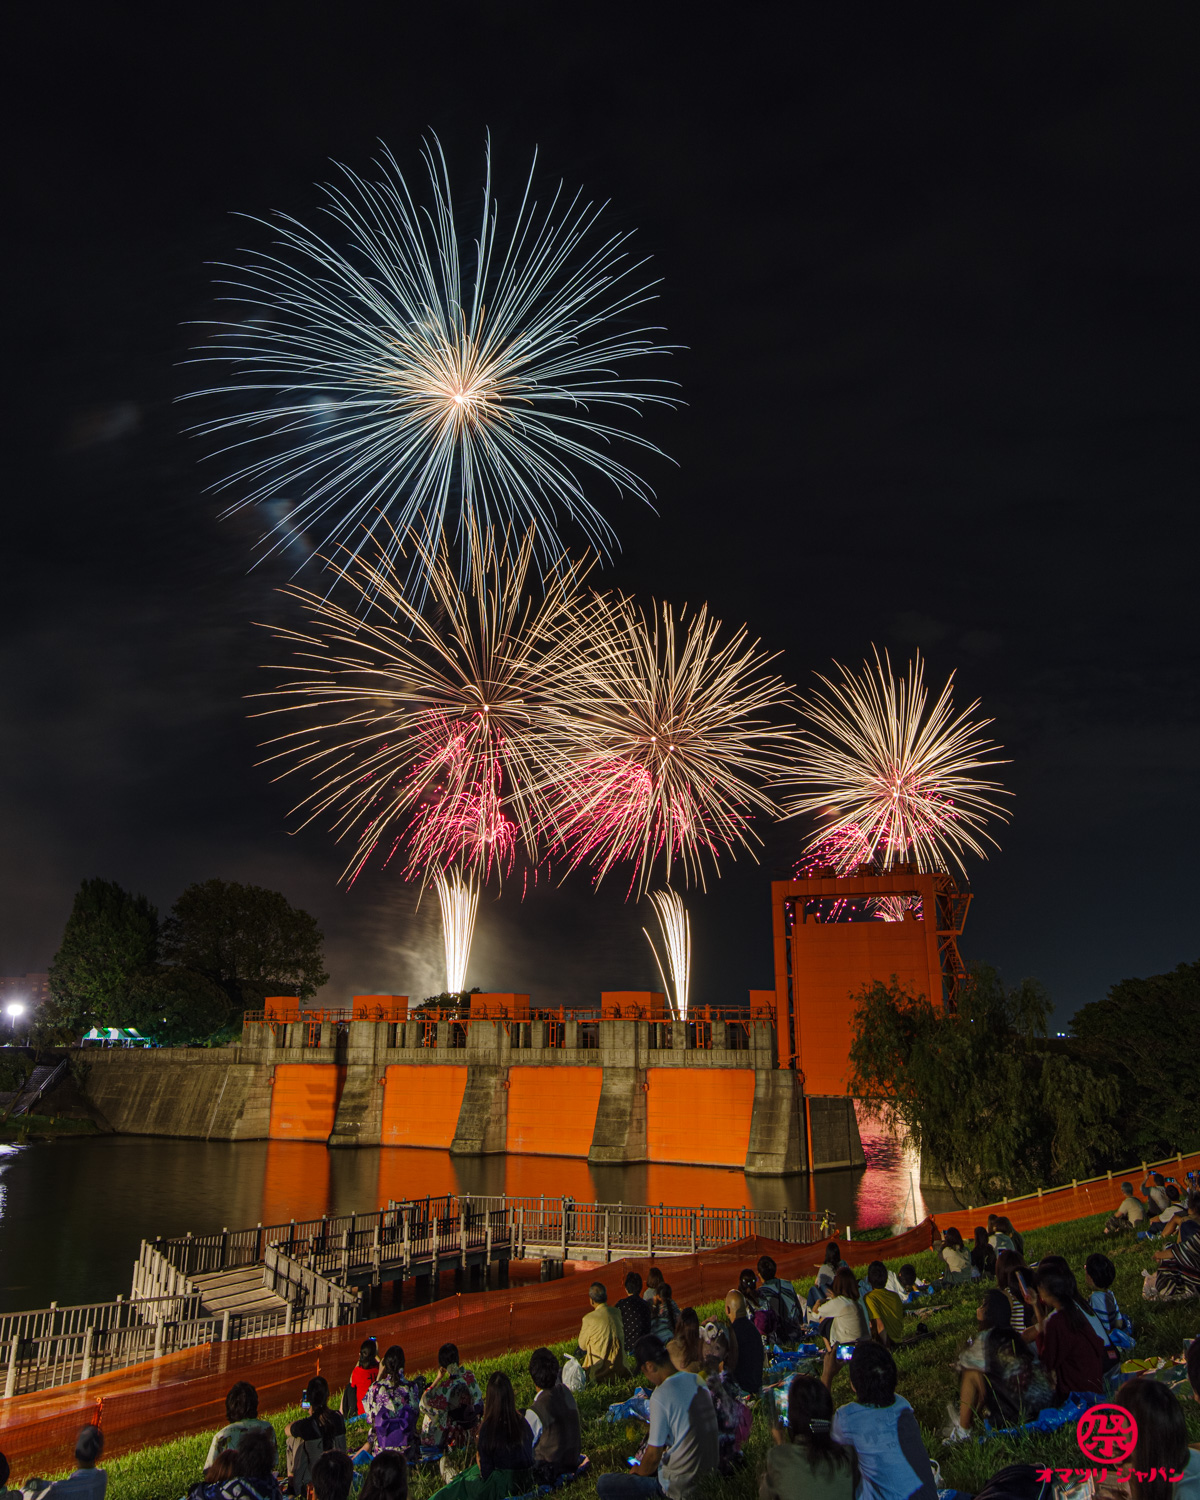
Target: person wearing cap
x=1129 y=1212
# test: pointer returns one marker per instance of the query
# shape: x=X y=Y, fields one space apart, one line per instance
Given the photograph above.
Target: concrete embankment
x=625 y=1092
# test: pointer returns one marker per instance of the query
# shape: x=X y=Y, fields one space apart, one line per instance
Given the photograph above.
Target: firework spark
x=459 y=898
x=669 y=741
x=677 y=940
x=429 y=727
x=387 y=381
x=890 y=782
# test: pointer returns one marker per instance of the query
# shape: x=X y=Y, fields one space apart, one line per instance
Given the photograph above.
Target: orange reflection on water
x=295 y=1181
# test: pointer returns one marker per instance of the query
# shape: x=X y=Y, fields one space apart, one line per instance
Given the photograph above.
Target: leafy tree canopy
x=248 y=941
x=176 y=1007
x=981 y=1091
x=1141 y=1037
x=110 y=941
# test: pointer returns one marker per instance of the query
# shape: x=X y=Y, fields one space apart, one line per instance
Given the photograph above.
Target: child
x=826 y=1271
x=904 y=1283
x=1100 y=1273
x=884 y=1309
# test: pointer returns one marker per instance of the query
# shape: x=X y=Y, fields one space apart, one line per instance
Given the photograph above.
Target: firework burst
x=428 y=727
x=670 y=741
x=889 y=781
x=458 y=896
x=388 y=382
x=677 y=940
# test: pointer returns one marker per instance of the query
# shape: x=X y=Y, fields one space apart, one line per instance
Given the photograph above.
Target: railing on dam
x=705 y=1028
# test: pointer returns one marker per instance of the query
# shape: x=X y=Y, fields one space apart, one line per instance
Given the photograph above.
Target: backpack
x=779 y=1297
x=349 y=1400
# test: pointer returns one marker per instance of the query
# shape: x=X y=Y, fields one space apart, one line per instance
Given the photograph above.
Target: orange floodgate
x=421 y=1105
x=552 y=1111
x=304 y=1102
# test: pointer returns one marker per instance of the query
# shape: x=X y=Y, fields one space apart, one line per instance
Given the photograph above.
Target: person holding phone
x=881 y=1429
x=843 y=1319
x=683 y=1445
x=322 y=1430
x=805 y=1460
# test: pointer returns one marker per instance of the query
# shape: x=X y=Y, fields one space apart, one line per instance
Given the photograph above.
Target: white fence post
x=10 y=1382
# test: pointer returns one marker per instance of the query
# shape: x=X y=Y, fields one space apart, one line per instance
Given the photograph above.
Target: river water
x=73 y=1211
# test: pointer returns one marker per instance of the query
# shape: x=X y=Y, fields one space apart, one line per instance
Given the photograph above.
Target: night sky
x=935 y=272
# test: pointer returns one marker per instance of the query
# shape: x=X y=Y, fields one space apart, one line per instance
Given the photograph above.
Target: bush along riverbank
x=167 y=1471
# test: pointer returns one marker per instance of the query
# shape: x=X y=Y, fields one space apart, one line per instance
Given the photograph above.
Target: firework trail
x=677 y=940
x=380 y=379
x=430 y=727
x=458 y=895
x=669 y=742
x=889 y=781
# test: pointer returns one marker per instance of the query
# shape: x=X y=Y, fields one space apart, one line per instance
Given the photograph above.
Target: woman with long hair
x=321 y=1431
x=805 y=1459
x=954 y=1256
x=843 y=1319
x=826 y=1271
x=393 y=1405
x=361 y=1378
x=1162 y=1442
x=387 y=1478
x=999 y=1373
x=983 y=1257
x=685 y=1348
x=504 y=1443
x=1066 y=1341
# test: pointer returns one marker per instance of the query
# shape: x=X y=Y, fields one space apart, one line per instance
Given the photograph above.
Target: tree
x=109 y=943
x=248 y=941
x=177 y=1007
x=1141 y=1039
x=981 y=1091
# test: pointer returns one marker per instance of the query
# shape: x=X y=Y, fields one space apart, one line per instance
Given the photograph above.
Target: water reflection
x=72 y=1212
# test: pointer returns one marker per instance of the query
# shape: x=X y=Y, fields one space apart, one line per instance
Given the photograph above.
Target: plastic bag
x=573 y=1376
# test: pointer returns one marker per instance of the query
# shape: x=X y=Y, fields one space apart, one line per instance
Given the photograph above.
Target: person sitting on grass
x=904 y=1283
x=1154 y=1191
x=843 y=1319
x=881 y=1428
x=826 y=1271
x=504 y=1443
x=762 y=1316
x=778 y=1295
x=1100 y=1273
x=747 y=1373
x=241 y=1417
x=332 y=1477
x=1162 y=1442
x=226 y=1466
x=1059 y=1264
x=557 y=1450
x=257 y=1454
x=361 y=1377
x=1170 y=1215
x=1000 y=1377
x=322 y=1430
x=1128 y=1214
x=654 y=1279
x=87 y=1482
x=983 y=1255
x=686 y=1349
x=885 y=1311
x=1067 y=1344
x=996 y=1237
x=387 y=1478
x=634 y=1312
x=1185 y=1225
x=805 y=1461
x=1011 y=1270
x=1004 y=1225
x=393 y=1405
x=664 y=1314
x=682 y=1447
x=601 y=1349
x=450 y=1408
x=953 y=1254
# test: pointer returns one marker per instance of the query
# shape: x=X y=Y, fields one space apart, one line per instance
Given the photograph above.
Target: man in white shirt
x=682 y=1447
x=1128 y=1214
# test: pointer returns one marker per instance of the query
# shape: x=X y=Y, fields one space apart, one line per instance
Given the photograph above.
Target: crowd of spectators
x=1044 y=1335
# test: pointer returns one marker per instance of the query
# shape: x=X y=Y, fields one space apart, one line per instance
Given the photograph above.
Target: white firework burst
x=889 y=781
x=378 y=377
x=676 y=930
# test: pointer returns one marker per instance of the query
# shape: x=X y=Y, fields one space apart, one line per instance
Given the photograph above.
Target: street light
x=14 y=1010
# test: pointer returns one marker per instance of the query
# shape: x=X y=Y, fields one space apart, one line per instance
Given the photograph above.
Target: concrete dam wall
x=618 y=1092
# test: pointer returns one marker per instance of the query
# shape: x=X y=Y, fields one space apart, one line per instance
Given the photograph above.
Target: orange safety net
x=1100 y=1195
x=185 y=1393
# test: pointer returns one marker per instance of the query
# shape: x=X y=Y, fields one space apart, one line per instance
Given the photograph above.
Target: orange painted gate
x=699 y=1115
x=552 y=1111
x=304 y=1101
x=421 y=1104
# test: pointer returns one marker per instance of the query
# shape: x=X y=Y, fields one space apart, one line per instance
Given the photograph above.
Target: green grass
x=167 y=1471
x=21 y=1127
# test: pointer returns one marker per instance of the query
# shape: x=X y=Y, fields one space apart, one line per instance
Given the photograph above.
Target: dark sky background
x=935 y=269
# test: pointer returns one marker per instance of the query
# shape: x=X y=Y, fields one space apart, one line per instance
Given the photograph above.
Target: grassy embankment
x=167 y=1471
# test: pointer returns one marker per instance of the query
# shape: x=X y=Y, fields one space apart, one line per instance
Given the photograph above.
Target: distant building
x=33 y=989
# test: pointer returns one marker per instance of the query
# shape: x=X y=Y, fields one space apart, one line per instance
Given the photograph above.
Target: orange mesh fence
x=1057 y=1205
x=185 y=1393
